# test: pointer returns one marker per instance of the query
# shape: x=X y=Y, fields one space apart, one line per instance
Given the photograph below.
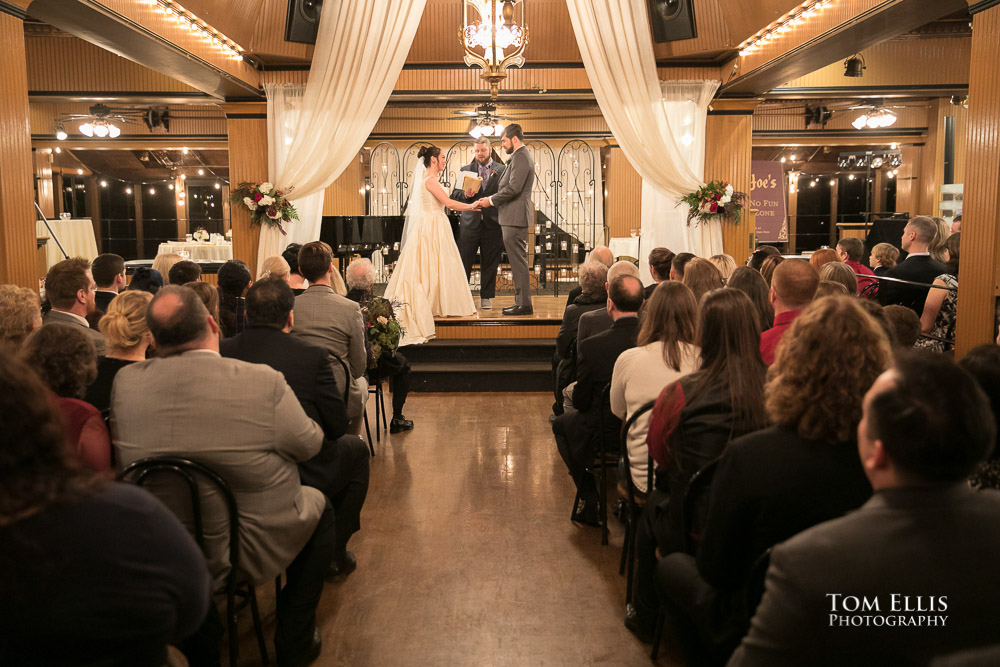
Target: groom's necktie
x=484 y=170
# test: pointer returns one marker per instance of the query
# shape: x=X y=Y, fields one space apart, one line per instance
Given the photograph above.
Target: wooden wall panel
x=62 y=62
x=18 y=260
x=900 y=62
x=980 y=267
x=908 y=180
x=500 y=331
x=433 y=120
x=728 y=139
x=932 y=159
x=247 y=162
x=623 y=202
x=342 y=196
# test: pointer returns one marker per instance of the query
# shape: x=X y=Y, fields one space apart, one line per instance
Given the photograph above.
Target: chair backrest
x=869 y=291
x=609 y=422
x=347 y=376
x=696 y=505
x=626 y=427
x=189 y=472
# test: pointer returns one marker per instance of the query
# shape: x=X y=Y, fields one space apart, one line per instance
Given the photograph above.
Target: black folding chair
x=375 y=387
x=634 y=509
x=189 y=472
x=606 y=423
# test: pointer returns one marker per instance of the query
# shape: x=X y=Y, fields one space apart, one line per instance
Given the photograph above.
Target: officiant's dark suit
x=480 y=229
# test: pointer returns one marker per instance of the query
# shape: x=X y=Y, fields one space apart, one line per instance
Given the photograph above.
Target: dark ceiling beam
x=889 y=19
x=101 y=26
x=866 y=92
x=122 y=97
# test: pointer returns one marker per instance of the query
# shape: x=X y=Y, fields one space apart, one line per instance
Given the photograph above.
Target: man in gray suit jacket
x=516 y=212
x=244 y=422
x=333 y=322
x=913 y=573
x=69 y=289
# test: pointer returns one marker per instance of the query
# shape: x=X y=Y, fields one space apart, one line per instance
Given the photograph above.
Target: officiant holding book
x=480 y=229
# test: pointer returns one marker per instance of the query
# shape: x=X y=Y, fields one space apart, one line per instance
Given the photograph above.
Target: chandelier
x=494 y=36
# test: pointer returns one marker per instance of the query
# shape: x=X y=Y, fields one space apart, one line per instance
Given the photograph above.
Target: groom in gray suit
x=513 y=200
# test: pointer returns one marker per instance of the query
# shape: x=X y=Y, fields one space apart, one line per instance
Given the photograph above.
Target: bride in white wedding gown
x=429 y=278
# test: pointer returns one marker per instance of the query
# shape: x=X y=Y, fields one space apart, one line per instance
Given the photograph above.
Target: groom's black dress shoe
x=518 y=310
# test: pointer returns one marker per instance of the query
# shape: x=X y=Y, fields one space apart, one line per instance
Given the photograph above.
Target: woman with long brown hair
x=702 y=277
x=83 y=559
x=779 y=481
x=665 y=352
x=751 y=283
x=694 y=418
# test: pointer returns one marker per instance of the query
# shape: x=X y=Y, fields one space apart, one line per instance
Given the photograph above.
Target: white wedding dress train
x=429 y=277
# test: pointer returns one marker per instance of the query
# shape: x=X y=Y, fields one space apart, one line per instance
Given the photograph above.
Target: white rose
x=725 y=200
x=251 y=204
x=729 y=190
x=265 y=188
x=266 y=201
x=705 y=207
x=382 y=319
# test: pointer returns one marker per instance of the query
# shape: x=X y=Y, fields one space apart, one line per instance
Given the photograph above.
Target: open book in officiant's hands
x=470 y=181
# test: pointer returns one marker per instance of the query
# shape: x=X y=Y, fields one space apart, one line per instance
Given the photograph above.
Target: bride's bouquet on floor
x=267 y=205
x=716 y=200
x=383 y=329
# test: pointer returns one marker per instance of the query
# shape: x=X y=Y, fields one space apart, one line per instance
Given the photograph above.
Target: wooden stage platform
x=492 y=323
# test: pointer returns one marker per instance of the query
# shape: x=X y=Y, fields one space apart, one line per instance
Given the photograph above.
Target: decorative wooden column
x=980 y=266
x=246 y=124
x=18 y=260
x=728 y=137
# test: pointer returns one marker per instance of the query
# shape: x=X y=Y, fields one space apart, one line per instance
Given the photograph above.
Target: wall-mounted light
x=61 y=134
x=855 y=66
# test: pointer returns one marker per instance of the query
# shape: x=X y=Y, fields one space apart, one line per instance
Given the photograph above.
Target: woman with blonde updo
x=163 y=264
x=275 y=267
x=126 y=336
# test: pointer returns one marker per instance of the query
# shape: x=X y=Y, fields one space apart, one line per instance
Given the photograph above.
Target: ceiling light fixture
x=494 y=35
x=855 y=66
x=877 y=118
x=770 y=32
x=61 y=134
x=198 y=27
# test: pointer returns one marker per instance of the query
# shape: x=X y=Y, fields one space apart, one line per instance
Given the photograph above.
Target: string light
x=807 y=9
x=199 y=28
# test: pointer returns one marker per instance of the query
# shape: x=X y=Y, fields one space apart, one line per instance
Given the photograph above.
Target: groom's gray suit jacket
x=513 y=198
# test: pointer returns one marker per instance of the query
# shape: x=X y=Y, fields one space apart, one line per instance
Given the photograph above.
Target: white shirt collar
x=917 y=254
x=81 y=320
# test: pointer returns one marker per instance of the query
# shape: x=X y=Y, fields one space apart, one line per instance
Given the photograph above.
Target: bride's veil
x=415 y=204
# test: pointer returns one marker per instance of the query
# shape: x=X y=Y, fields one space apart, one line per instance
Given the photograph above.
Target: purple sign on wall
x=767 y=197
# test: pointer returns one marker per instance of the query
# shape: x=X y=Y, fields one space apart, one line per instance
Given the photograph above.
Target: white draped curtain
x=617 y=48
x=314 y=135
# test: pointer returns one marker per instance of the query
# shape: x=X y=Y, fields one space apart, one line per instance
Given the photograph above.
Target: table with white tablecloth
x=221 y=251
x=624 y=246
x=76 y=236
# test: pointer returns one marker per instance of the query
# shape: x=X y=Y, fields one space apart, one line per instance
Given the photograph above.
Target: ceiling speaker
x=672 y=20
x=302 y=22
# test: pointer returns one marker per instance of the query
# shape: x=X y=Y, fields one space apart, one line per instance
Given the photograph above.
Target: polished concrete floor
x=466 y=554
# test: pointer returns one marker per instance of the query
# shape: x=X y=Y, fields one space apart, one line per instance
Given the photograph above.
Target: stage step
x=481 y=365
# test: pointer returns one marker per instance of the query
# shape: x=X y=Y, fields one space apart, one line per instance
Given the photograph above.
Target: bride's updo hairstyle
x=426 y=153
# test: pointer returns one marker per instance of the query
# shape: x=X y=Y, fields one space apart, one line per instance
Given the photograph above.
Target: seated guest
x=760 y=254
x=878 y=314
x=691 y=423
x=775 y=483
x=183 y=272
x=725 y=264
x=839 y=272
x=69 y=289
x=333 y=322
x=767 y=268
x=925 y=427
x=851 y=251
x=678 y=265
x=592 y=277
x=295 y=279
x=942 y=230
x=275 y=267
x=822 y=256
x=751 y=283
x=659 y=268
x=94 y=573
x=256 y=433
x=884 y=257
x=941 y=305
x=983 y=363
x=340 y=469
x=146 y=279
x=234 y=281
x=127 y=335
x=956 y=224
x=602 y=254
x=20 y=314
x=209 y=295
x=918 y=267
x=905 y=325
x=164 y=262
x=598 y=320
x=577 y=432
x=792 y=289
x=666 y=352
x=831 y=288
x=109 y=279
x=393 y=365
x=64 y=358
x=702 y=277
